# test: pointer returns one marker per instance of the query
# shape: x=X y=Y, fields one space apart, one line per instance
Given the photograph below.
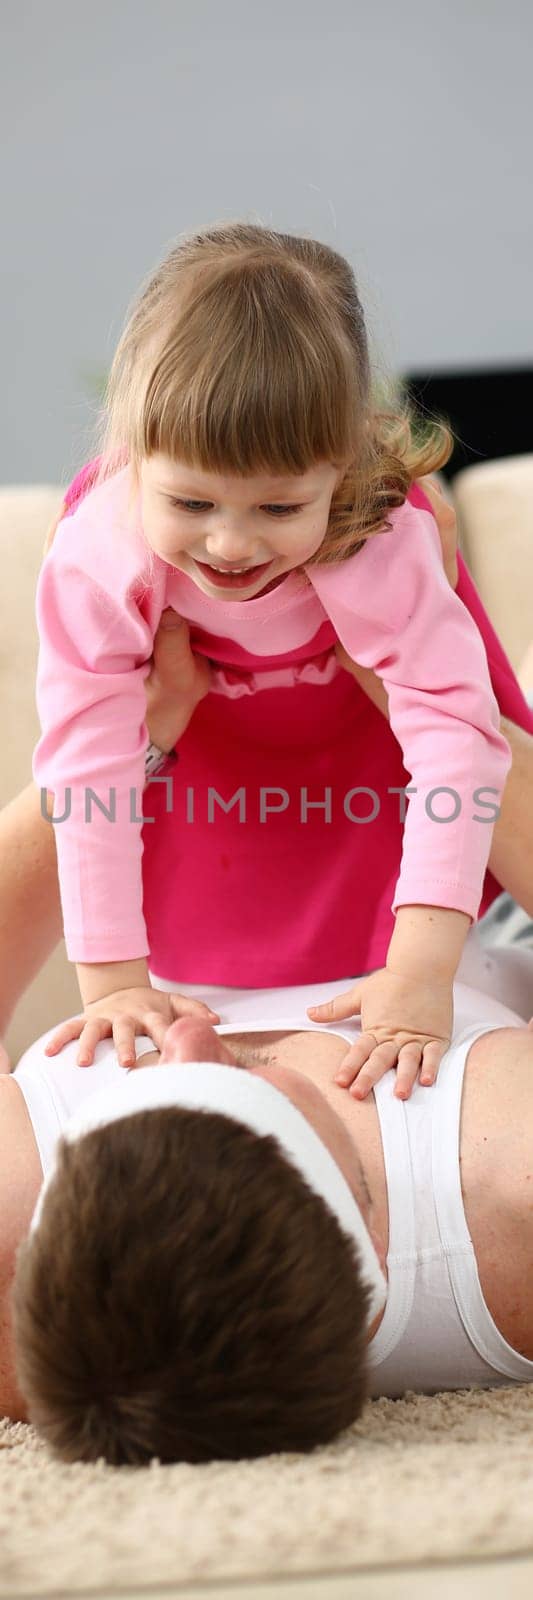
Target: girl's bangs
x=250 y=401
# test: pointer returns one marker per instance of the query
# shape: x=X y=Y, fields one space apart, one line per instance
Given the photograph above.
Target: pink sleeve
x=96 y=640
x=395 y=612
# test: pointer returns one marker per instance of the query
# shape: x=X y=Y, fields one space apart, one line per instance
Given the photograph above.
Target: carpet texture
x=422 y=1478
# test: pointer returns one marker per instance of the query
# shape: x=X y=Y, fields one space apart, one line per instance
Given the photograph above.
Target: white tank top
x=437 y=1332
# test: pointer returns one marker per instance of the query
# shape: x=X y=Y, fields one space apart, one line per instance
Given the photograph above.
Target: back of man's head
x=186 y=1296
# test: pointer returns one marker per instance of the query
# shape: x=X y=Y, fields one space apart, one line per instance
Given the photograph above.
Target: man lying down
x=230 y=1253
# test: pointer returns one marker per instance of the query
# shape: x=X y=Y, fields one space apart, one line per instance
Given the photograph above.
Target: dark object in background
x=489 y=410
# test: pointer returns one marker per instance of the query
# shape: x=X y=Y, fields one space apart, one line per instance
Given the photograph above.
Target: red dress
x=263 y=871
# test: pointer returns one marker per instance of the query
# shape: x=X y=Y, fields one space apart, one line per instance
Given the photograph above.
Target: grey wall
x=400 y=134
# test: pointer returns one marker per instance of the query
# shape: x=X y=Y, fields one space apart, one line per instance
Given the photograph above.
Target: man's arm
x=31 y=922
x=511 y=856
x=511 y=853
x=30 y=909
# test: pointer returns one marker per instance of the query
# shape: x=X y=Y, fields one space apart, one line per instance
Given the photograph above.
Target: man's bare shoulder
x=496 y=1166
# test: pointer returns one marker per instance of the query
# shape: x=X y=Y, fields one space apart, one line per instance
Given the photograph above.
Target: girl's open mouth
x=232 y=580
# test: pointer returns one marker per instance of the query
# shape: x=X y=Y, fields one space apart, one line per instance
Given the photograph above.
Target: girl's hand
x=404 y=1023
x=121 y=1016
x=447 y=525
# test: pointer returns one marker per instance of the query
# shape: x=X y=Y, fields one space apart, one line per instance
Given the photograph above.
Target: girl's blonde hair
x=246 y=351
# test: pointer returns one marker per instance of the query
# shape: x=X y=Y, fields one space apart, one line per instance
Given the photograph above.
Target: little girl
x=249 y=480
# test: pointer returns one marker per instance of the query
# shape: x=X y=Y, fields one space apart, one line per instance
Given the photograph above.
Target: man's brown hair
x=186 y=1296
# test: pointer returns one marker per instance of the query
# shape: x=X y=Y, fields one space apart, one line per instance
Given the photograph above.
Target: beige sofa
x=495 y=510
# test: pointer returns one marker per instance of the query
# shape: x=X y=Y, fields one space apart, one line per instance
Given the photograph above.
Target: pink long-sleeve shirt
x=100 y=595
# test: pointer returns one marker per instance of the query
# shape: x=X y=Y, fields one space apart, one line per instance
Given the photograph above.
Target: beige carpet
x=423 y=1478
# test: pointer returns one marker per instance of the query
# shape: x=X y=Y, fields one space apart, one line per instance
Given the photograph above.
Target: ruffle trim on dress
x=234 y=682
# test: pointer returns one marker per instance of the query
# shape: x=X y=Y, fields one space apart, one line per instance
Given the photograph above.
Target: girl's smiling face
x=198 y=521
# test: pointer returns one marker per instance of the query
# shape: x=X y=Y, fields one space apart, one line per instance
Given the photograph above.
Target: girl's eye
x=190 y=505
x=203 y=505
x=286 y=511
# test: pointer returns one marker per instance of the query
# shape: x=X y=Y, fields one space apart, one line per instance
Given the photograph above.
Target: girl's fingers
x=156 y=1026
x=183 y=1007
x=124 y=1040
x=365 y=1057
x=432 y=1056
x=67 y=1031
x=123 y=1030
x=342 y=1005
x=428 y=1065
x=357 y=1057
x=367 y=1062
x=379 y=1062
x=92 y=1033
x=409 y=1060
